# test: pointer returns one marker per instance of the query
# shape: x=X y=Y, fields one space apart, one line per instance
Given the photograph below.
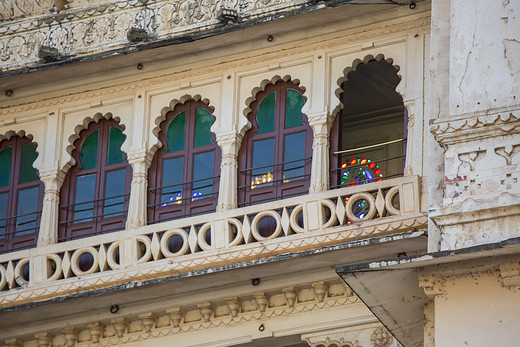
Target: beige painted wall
x=477 y=311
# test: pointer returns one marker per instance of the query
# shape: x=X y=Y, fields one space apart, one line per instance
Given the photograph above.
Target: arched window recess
x=275 y=157
x=368 y=138
x=184 y=174
x=21 y=194
x=95 y=193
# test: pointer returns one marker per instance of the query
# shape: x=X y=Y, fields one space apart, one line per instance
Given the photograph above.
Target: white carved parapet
x=83 y=27
x=482 y=171
x=236 y=235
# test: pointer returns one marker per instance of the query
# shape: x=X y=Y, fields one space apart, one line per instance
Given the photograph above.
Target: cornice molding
x=205 y=69
x=476 y=127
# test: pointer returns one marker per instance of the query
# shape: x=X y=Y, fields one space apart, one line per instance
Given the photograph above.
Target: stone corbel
x=321 y=124
x=432 y=285
x=342 y=337
x=13 y=343
x=137 y=206
x=229 y=143
x=52 y=180
x=510 y=273
x=44 y=339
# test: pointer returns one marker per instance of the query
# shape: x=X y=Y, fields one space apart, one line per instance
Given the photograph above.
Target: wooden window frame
x=279 y=189
x=67 y=229
x=12 y=242
x=158 y=213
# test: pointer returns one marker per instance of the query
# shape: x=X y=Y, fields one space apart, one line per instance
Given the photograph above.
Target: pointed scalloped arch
x=174 y=102
x=353 y=67
x=21 y=133
x=83 y=126
x=263 y=85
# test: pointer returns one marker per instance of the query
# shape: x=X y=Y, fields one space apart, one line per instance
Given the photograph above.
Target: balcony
x=217 y=239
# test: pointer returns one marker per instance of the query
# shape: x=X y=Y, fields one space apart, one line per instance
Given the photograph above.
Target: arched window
x=184 y=174
x=368 y=139
x=21 y=194
x=275 y=155
x=95 y=193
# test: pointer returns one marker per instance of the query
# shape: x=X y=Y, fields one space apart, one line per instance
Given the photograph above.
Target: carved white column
x=320 y=124
x=52 y=180
x=137 y=206
x=229 y=143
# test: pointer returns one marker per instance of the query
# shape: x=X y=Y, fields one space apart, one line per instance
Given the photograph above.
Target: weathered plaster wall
x=475 y=311
x=484 y=55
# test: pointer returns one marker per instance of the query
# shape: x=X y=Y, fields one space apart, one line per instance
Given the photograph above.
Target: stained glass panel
x=293 y=109
x=115 y=140
x=85 y=194
x=88 y=154
x=265 y=114
x=27 y=207
x=172 y=179
x=114 y=188
x=27 y=171
x=294 y=150
x=175 y=133
x=263 y=156
x=203 y=164
x=5 y=166
x=203 y=124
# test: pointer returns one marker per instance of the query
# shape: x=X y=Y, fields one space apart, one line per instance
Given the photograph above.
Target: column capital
x=138 y=157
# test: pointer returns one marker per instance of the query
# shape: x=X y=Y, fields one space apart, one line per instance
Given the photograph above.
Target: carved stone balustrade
x=215 y=239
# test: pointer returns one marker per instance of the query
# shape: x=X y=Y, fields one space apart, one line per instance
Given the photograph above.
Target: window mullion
x=101 y=171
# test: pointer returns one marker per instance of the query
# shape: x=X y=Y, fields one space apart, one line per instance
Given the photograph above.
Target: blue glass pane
x=85 y=190
x=175 y=133
x=115 y=141
x=114 y=188
x=172 y=181
x=263 y=155
x=27 y=171
x=5 y=166
x=3 y=214
x=88 y=154
x=203 y=125
x=203 y=166
x=265 y=114
x=27 y=208
x=293 y=109
x=294 y=150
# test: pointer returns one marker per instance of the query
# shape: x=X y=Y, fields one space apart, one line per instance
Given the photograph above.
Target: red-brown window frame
x=279 y=189
x=68 y=230
x=158 y=213
x=11 y=243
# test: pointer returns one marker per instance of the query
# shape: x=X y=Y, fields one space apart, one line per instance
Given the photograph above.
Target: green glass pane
x=203 y=124
x=5 y=166
x=175 y=133
x=27 y=171
x=293 y=109
x=115 y=140
x=265 y=114
x=88 y=154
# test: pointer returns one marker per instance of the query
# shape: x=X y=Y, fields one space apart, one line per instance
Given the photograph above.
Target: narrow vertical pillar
x=137 y=206
x=229 y=143
x=320 y=153
x=52 y=180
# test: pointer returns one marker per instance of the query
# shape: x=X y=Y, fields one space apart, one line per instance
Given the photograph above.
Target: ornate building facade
x=259 y=173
